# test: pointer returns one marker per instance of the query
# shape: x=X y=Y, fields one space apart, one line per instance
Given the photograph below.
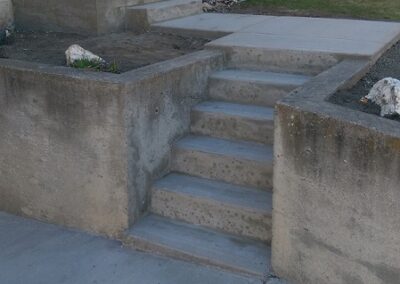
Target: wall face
x=111 y=14
x=73 y=16
x=336 y=193
x=62 y=154
x=82 y=149
x=6 y=14
x=159 y=107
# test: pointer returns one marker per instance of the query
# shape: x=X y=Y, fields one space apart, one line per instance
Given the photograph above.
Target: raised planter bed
x=81 y=148
x=387 y=66
x=336 y=185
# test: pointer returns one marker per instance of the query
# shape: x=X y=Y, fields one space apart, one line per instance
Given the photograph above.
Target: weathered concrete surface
x=189 y=242
x=252 y=87
x=211 y=25
x=238 y=210
x=233 y=121
x=61 y=148
x=83 y=17
x=161 y=107
x=238 y=162
x=82 y=149
x=37 y=253
x=140 y=17
x=6 y=14
x=54 y=15
x=336 y=187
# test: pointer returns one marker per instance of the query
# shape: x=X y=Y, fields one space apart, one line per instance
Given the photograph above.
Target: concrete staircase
x=140 y=17
x=215 y=206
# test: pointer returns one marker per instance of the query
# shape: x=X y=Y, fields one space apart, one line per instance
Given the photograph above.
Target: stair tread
x=233 y=109
x=241 y=149
x=225 y=249
x=262 y=77
x=234 y=195
x=163 y=4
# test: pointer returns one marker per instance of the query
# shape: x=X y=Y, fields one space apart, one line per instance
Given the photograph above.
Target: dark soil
x=128 y=50
x=387 y=66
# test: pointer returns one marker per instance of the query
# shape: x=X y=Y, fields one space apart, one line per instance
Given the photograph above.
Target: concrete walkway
x=317 y=35
x=33 y=252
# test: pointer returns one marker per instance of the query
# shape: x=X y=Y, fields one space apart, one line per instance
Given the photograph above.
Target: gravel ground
x=387 y=66
x=128 y=50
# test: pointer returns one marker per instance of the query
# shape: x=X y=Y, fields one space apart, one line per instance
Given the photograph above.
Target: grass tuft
x=95 y=65
x=364 y=9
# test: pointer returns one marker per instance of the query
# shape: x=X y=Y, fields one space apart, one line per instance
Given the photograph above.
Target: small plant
x=113 y=68
x=96 y=65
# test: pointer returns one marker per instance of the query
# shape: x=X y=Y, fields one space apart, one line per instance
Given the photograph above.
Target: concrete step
x=197 y=244
x=140 y=17
x=230 y=208
x=237 y=162
x=233 y=121
x=253 y=87
x=275 y=53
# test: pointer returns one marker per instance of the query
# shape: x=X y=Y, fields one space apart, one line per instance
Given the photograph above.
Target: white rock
x=386 y=94
x=76 y=52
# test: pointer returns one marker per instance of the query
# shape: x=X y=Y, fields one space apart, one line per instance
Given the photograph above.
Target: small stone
x=76 y=52
x=386 y=94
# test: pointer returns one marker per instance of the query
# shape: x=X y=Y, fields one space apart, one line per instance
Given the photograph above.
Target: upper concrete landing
x=213 y=24
x=315 y=35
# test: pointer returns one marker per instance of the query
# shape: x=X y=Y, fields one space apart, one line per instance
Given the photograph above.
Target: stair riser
x=296 y=62
x=247 y=92
x=165 y=250
x=232 y=127
x=141 y=19
x=225 y=168
x=235 y=220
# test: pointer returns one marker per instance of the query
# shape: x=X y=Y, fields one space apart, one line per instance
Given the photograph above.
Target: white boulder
x=76 y=52
x=386 y=94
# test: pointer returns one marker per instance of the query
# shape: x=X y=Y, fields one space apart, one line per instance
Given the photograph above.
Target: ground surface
x=361 y=9
x=387 y=66
x=128 y=50
x=37 y=253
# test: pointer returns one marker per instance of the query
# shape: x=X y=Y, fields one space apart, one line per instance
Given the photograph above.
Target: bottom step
x=194 y=243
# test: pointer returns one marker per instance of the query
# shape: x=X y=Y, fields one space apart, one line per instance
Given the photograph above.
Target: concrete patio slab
x=214 y=23
x=34 y=252
x=356 y=30
x=337 y=37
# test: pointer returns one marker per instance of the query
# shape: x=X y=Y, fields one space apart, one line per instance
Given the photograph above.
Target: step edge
x=268 y=161
x=268 y=82
x=175 y=253
x=130 y=238
x=269 y=118
x=216 y=202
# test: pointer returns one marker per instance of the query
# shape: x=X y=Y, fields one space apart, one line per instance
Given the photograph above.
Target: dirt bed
x=128 y=50
x=387 y=66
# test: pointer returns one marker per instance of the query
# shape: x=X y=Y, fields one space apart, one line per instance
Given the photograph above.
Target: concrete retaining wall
x=336 y=188
x=75 y=16
x=6 y=14
x=81 y=149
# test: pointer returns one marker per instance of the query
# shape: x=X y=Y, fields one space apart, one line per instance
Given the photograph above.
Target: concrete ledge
x=336 y=187
x=81 y=149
